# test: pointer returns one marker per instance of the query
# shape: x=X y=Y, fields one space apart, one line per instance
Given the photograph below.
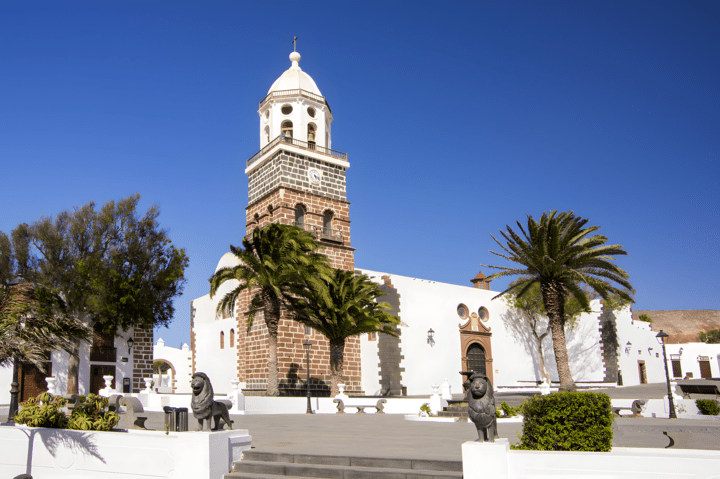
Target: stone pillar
x=142 y=354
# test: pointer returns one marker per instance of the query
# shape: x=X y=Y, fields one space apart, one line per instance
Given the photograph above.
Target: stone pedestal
x=485 y=459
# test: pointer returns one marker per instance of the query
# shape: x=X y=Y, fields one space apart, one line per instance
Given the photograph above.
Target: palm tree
x=342 y=306
x=272 y=260
x=559 y=254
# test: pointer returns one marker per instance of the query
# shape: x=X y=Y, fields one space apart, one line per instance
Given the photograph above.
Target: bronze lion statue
x=204 y=406
x=481 y=407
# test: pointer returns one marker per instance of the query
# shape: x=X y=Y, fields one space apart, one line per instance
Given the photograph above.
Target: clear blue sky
x=458 y=117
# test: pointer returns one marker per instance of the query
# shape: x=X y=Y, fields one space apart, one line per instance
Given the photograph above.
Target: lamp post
x=307 y=345
x=661 y=339
x=14 y=385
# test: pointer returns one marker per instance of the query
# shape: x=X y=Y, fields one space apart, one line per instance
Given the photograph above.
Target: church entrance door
x=476 y=359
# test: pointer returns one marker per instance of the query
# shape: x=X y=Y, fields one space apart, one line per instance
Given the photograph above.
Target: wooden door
x=705 y=369
x=32 y=380
x=642 y=372
x=677 y=368
x=96 y=377
x=476 y=358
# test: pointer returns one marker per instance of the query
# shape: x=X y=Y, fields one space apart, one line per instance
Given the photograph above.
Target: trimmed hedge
x=708 y=407
x=567 y=421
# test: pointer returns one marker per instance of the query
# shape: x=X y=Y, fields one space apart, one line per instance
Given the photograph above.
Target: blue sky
x=458 y=117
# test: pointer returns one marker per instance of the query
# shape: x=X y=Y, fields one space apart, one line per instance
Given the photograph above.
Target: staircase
x=267 y=465
x=455 y=408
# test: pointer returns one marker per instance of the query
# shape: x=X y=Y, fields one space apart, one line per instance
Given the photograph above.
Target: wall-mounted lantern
x=430 y=337
x=628 y=347
x=130 y=344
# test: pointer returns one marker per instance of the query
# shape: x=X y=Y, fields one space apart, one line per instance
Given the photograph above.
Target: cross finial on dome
x=294 y=44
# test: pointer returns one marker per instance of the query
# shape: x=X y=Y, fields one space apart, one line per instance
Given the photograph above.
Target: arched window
x=476 y=358
x=232 y=338
x=287 y=129
x=311 y=134
x=300 y=216
x=327 y=223
x=267 y=134
x=222 y=339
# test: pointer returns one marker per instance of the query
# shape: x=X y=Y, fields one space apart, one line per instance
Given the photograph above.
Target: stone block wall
x=142 y=353
x=609 y=344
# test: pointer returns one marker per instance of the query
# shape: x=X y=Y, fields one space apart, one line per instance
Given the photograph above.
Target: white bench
x=379 y=406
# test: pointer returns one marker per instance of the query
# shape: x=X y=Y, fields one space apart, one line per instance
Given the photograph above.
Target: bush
x=567 y=421
x=708 y=407
x=509 y=411
x=93 y=415
x=43 y=411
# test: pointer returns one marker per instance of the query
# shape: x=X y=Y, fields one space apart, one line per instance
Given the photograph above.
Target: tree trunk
x=74 y=369
x=272 y=320
x=543 y=367
x=554 y=299
x=337 y=355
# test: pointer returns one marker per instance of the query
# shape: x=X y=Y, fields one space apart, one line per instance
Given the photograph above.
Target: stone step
x=272 y=465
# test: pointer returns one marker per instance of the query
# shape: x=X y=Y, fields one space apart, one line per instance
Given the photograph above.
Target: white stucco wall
x=181 y=360
x=428 y=304
x=689 y=355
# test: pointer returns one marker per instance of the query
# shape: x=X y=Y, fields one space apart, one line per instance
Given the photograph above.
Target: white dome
x=294 y=78
x=228 y=260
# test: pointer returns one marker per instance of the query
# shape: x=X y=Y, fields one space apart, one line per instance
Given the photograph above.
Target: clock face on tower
x=314 y=175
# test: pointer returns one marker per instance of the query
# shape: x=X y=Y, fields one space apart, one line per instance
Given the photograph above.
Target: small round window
x=311 y=112
x=286 y=109
x=483 y=314
x=462 y=311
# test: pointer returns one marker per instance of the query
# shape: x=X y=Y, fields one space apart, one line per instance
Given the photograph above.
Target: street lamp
x=661 y=339
x=430 y=335
x=14 y=385
x=307 y=345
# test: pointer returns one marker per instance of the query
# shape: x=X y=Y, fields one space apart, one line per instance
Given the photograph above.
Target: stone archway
x=161 y=367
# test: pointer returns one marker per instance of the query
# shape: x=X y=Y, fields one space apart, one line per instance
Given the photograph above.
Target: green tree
x=711 y=337
x=33 y=321
x=645 y=318
x=560 y=255
x=110 y=267
x=344 y=305
x=273 y=261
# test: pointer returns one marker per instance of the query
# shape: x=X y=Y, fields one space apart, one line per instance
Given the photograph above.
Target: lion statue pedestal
x=204 y=406
x=481 y=407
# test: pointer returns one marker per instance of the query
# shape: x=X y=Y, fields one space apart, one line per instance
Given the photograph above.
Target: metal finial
x=294 y=44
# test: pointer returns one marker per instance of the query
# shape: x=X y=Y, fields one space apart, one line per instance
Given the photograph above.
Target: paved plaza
x=392 y=436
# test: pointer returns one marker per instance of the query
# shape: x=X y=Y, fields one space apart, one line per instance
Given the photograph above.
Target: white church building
x=295 y=178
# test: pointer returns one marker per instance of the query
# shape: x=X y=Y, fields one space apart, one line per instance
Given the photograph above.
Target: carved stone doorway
x=476 y=346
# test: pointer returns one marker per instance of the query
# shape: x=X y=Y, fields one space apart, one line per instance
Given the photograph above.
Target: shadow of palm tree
x=75 y=442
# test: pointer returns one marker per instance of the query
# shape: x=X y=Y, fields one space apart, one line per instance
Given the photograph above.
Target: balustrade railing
x=300 y=144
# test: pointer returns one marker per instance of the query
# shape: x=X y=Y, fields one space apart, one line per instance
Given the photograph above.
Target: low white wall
x=52 y=453
x=482 y=460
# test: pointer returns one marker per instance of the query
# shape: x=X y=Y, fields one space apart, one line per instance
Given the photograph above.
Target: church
x=297 y=178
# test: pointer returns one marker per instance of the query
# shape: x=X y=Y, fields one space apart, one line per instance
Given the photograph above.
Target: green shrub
x=567 y=421
x=93 y=415
x=425 y=408
x=43 y=411
x=509 y=411
x=708 y=407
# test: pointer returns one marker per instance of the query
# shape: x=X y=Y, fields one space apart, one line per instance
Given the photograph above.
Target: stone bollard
x=236 y=397
x=108 y=390
x=437 y=404
x=51 y=384
x=446 y=394
x=341 y=394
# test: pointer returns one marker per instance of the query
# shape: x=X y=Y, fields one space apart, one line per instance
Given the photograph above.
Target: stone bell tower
x=297 y=179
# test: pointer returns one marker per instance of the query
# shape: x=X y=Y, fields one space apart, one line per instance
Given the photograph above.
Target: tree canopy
x=560 y=254
x=110 y=267
x=344 y=305
x=272 y=261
